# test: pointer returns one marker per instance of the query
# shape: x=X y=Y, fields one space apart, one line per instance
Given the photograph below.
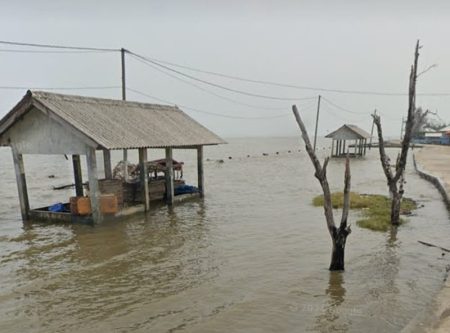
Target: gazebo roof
x=348 y=132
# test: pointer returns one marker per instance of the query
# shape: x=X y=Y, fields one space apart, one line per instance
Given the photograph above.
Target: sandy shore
x=435 y=161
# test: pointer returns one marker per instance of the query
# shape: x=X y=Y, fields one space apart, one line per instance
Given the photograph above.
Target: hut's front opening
x=354 y=148
x=124 y=190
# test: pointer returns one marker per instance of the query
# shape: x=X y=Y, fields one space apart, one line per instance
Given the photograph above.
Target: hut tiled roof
x=349 y=132
x=116 y=124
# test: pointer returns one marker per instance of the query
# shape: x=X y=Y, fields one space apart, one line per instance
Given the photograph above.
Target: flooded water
x=251 y=257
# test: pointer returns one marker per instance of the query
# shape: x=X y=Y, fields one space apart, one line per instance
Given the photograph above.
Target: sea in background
x=252 y=256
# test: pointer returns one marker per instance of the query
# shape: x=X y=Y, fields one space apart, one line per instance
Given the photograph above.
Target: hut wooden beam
x=94 y=191
x=169 y=176
x=107 y=163
x=78 y=176
x=200 y=174
x=21 y=184
x=144 y=178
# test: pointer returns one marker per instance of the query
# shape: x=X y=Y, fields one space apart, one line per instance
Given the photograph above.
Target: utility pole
x=124 y=97
x=371 y=131
x=317 y=122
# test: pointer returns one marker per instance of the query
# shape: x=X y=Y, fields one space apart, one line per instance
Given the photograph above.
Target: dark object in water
x=277 y=153
x=248 y=155
x=265 y=154
x=51 y=176
x=289 y=151
x=229 y=157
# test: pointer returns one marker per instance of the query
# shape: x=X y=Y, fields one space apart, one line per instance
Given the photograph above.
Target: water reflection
x=103 y=272
x=334 y=317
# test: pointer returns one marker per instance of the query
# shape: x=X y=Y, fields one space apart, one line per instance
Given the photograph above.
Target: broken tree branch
x=432 y=245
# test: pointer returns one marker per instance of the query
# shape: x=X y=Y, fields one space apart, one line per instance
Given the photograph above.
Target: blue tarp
x=58 y=207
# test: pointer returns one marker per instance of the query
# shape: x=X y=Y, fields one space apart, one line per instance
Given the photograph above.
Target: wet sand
x=435 y=161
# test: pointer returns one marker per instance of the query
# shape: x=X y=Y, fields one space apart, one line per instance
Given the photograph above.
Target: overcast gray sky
x=346 y=45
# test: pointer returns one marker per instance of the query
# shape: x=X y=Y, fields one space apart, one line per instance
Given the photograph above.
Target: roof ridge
x=39 y=94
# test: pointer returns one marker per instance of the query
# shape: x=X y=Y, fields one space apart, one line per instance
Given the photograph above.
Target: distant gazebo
x=357 y=145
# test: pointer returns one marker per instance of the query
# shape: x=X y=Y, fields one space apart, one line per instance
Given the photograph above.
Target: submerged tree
x=338 y=235
x=395 y=179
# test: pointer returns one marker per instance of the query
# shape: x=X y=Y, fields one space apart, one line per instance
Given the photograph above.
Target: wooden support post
x=356 y=147
x=78 y=176
x=125 y=161
x=332 y=147
x=107 y=163
x=343 y=150
x=169 y=176
x=94 y=191
x=200 y=175
x=144 y=178
x=21 y=184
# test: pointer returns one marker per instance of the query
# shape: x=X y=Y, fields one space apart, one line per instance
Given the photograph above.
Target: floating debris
x=265 y=154
x=230 y=158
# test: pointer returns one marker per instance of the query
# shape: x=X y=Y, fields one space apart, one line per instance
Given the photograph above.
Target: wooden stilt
x=21 y=184
x=169 y=177
x=201 y=179
x=144 y=178
x=332 y=147
x=107 y=163
x=76 y=161
x=94 y=191
x=125 y=160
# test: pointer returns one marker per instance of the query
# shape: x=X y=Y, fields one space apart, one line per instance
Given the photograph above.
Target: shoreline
x=433 y=164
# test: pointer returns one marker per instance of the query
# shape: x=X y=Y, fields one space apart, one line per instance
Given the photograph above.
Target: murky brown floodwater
x=251 y=257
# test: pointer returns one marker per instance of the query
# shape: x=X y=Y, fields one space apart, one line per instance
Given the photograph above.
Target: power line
x=219 y=85
x=340 y=107
x=58 y=88
x=54 y=46
x=287 y=85
x=206 y=90
x=50 y=52
x=206 y=112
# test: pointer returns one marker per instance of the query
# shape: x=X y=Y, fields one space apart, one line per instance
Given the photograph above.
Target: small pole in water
x=317 y=122
x=371 y=131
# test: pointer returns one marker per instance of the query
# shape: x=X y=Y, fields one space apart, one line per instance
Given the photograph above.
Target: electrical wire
x=161 y=63
x=242 y=92
x=206 y=112
x=54 y=46
x=206 y=90
x=340 y=107
x=50 y=52
x=58 y=88
x=293 y=86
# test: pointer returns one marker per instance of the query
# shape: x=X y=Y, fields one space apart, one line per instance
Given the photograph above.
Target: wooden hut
x=348 y=138
x=48 y=123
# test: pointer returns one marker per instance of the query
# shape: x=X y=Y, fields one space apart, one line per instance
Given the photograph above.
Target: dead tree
x=338 y=235
x=395 y=179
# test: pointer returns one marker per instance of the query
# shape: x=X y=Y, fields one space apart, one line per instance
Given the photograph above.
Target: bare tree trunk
x=338 y=235
x=395 y=180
